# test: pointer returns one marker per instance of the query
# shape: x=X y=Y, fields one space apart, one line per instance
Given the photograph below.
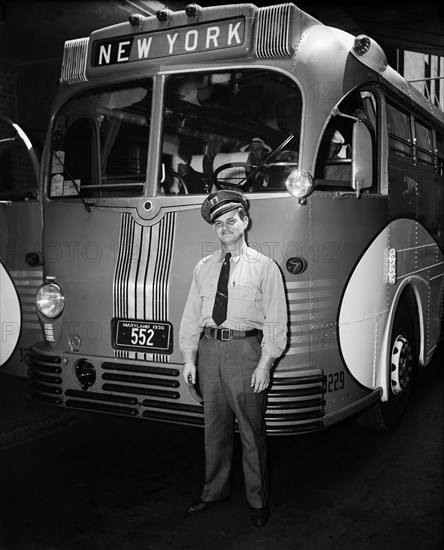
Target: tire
x=385 y=415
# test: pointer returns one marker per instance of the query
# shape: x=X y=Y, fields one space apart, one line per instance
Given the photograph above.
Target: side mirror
x=362 y=158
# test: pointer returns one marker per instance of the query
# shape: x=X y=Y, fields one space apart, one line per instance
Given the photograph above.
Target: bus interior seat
x=196 y=171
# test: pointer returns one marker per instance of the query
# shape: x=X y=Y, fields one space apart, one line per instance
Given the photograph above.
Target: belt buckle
x=225 y=334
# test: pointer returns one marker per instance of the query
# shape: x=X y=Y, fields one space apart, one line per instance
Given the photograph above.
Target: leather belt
x=226 y=334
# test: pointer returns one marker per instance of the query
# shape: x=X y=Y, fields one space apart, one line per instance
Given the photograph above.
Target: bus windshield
x=217 y=127
x=220 y=127
x=100 y=142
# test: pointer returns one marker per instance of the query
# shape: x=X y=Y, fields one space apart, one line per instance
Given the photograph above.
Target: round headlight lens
x=299 y=183
x=50 y=300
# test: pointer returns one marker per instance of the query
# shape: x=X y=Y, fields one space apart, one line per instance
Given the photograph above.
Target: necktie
x=221 y=300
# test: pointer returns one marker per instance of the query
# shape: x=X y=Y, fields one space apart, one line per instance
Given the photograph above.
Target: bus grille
x=272 y=35
x=45 y=377
x=75 y=55
x=295 y=403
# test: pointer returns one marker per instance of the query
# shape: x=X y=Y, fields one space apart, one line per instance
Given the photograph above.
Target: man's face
x=230 y=228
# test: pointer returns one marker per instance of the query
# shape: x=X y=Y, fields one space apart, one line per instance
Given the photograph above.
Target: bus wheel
x=403 y=361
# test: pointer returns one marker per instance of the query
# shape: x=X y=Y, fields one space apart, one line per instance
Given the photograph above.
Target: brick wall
x=8 y=91
x=17 y=176
x=37 y=87
x=26 y=94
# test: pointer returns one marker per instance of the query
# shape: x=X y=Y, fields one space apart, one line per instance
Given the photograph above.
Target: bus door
x=20 y=245
x=347 y=248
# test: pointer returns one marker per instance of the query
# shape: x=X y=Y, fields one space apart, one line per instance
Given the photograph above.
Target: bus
x=20 y=246
x=155 y=113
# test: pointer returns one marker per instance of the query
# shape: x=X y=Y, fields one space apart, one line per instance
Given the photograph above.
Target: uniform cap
x=221 y=202
x=256 y=141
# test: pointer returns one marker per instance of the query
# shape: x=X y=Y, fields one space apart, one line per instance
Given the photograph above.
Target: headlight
x=50 y=300
x=299 y=183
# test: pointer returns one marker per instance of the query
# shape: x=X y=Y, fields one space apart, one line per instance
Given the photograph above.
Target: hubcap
x=401 y=364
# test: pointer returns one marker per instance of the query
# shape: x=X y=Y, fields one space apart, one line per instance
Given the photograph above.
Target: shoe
x=259 y=516
x=200 y=506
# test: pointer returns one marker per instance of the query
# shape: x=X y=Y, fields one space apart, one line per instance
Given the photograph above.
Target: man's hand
x=260 y=379
x=189 y=373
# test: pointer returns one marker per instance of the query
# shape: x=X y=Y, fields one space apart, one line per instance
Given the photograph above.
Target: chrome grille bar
x=273 y=29
x=75 y=55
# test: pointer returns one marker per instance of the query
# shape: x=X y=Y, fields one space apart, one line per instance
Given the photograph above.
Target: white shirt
x=256 y=300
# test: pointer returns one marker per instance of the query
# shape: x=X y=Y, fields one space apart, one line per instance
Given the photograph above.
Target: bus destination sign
x=168 y=43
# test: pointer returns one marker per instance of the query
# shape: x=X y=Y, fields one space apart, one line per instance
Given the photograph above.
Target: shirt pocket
x=242 y=303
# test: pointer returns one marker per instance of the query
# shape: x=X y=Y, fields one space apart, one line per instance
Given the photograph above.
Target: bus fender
x=409 y=293
x=10 y=316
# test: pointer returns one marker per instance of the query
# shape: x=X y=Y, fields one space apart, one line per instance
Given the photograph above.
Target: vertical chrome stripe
x=142 y=274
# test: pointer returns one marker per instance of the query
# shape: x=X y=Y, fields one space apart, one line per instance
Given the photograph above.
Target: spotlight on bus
x=192 y=10
x=85 y=373
x=164 y=15
x=361 y=44
x=135 y=19
x=299 y=183
x=49 y=300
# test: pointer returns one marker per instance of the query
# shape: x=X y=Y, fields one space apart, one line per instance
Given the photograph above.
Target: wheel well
x=407 y=300
x=396 y=376
x=410 y=299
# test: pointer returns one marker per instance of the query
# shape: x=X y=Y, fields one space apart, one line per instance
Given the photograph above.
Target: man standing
x=235 y=325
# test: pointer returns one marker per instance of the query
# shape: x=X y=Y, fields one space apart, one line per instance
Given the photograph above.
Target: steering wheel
x=180 y=179
x=233 y=180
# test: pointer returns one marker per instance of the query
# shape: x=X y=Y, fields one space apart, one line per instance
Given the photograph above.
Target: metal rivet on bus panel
x=148 y=206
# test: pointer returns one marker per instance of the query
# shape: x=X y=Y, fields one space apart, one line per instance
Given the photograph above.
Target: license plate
x=146 y=336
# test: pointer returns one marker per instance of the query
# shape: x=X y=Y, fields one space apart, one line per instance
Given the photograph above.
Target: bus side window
x=334 y=158
x=423 y=141
x=400 y=140
x=334 y=163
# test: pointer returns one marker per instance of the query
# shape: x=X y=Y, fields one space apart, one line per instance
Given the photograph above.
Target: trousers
x=224 y=374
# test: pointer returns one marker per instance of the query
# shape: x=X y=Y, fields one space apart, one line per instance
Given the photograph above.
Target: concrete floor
x=105 y=482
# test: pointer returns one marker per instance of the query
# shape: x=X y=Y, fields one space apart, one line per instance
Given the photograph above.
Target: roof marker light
x=135 y=19
x=192 y=10
x=361 y=44
x=164 y=15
